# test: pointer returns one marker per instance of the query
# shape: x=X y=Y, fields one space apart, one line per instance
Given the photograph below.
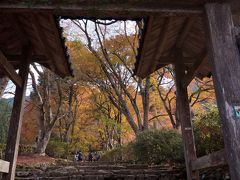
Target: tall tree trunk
x=145 y=102
x=3 y=85
x=42 y=141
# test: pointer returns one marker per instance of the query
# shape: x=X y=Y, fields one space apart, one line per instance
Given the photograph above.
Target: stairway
x=98 y=171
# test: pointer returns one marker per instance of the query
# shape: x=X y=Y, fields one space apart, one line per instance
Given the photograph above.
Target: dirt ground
x=32 y=159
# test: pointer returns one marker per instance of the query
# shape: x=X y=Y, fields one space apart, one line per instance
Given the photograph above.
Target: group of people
x=92 y=156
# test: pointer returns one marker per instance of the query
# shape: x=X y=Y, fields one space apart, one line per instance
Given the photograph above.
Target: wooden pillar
x=225 y=62
x=184 y=116
x=16 y=123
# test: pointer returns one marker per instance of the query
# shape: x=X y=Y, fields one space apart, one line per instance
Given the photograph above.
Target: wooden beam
x=43 y=39
x=4 y=166
x=15 y=126
x=35 y=58
x=9 y=70
x=225 y=62
x=162 y=41
x=145 y=38
x=187 y=25
x=184 y=116
x=18 y=29
x=211 y=160
x=192 y=72
x=105 y=8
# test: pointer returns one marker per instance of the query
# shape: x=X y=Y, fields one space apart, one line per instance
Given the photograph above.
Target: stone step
x=101 y=172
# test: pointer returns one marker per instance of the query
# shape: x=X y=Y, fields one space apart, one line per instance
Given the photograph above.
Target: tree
x=111 y=126
x=3 y=85
x=58 y=102
x=115 y=56
x=49 y=105
x=200 y=92
x=5 y=113
x=207 y=130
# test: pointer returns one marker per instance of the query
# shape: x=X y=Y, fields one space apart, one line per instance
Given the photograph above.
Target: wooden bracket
x=9 y=70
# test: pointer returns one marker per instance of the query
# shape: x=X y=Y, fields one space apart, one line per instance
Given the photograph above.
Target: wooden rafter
x=9 y=70
x=146 y=39
x=42 y=39
x=14 y=59
x=171 y=60
x=187 y=25
x=162 y=42
x=18 y=29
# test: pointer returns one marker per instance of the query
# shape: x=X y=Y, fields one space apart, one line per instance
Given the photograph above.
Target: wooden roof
x=43 y=34
x=170 y=24
x=164 y=37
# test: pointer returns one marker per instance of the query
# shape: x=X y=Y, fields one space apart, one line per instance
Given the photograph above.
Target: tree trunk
x=145 y=102
x=42 y=142
x=3 y=84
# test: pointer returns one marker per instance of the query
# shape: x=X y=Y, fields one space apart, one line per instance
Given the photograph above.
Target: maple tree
x=115 y=56
x=105 y=105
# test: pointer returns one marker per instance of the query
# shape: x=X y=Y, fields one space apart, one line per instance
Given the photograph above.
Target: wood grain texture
x=211 y=160
x=183 y=114
x=9 y=70
x=42 y=31
x=15 y=126
x=225 y=62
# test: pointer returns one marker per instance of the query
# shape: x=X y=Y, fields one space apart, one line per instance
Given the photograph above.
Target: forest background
x=105 y=107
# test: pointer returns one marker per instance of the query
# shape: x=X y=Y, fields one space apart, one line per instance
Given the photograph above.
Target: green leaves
x=159 y=146
x=207 y=130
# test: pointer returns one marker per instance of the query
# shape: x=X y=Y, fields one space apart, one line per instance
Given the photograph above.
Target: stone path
x=97 y=171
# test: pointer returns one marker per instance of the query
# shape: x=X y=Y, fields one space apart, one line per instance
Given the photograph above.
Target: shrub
x=123 y=153
x=207 y=131
x=57 y=149
x=2 y=149
x=28 y=149
x=22 y=149
x=159 y=146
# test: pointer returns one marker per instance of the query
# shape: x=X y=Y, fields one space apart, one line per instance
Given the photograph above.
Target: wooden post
x=184 y=116
x=16 y=123
x=225 y=62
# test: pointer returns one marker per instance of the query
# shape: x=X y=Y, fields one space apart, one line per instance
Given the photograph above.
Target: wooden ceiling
x=167 y=40
x=171 y=25
x=164 y=37
x=42 y=33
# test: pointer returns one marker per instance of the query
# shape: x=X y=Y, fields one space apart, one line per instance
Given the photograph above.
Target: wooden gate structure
x=199 y=37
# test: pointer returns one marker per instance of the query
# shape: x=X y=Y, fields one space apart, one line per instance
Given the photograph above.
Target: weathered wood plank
x=183 y=114
x=14 y=131
x=225 y=62
x=211 y=160
x=187 y=25
x=162 y=40
x=9 y=70
x=108 y=7
x=4 y=166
